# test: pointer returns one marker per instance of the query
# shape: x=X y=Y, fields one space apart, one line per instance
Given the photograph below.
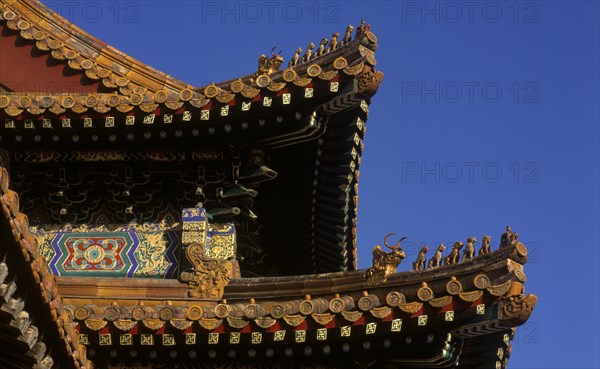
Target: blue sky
x=488 y=116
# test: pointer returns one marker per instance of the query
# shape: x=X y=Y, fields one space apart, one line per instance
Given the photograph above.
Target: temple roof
x=464 y=312
x=311 y=115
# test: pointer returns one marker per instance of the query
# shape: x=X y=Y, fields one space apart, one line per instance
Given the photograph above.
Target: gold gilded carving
x=481 y=281
x=355 y=69
x=81 y=313
x=265 y=322
x=194 y=312
x=454 y=256
x=395 y=298
x=125 y=324
x=294 y=320
x=323 y=319
x=515 y=310
x=470 y=296
x=453 y=287
x=411 y=307
x=95 y=324
x=208 y=277
x=385 y=263
x=425 y=293
x=381 y=312
x=153 y=324
x=237 y=323
x=269 y=65
x=440 y=301
x=485 y=245
x=210 y=323
x=500 y=289
x=181 y=324
x=352 y=316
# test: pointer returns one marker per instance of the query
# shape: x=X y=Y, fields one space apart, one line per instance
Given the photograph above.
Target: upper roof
x=109 y=81
x=322 y=103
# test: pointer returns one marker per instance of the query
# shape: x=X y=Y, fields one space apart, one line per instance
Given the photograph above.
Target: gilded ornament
x=23 y=25
x=453 y=287
x=24 y=102
x=87 y=64
x=327 y=76
x=210 y=323
x=419 y=263
x=306 y=307
x=500 y=289
x=352 y=316
x=265 y=322
x=394 y=298
x=411 y=307
x=166 y=313
x=237 y=86
x=103 y=72
x=440 y=301
x=209 y=276
x=471 y=296
x=323 y=319
x=153 y=324
x=252 y=311
x=385 y=263
x=355 y=69
x=71 y=54
x=294 y=320
x=340 y=63
x=237 y=323
x=269 y=65
x=469 y=252
x=277 y=311
x=485 y=245
x=122 y=82
x=381 y=312
x=425 y=293
x=95 y=324
x=454 y=256
x=302 y=81
x=263 y=81
x=186 y=94
x=289 y=75
x=222 y=310
x=81 y=313
x=481 y=281
x=112 y=313
x=91 y=101
x=125 y=324
x=181 y=324
x=4 y=101
x=138 y=313
x=314 y=70
x=194 y=312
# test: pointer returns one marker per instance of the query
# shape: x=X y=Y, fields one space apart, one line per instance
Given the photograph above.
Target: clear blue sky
x=488 y=116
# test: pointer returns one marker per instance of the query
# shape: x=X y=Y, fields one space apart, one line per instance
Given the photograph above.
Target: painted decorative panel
x=139 y=251
x=150 y=251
